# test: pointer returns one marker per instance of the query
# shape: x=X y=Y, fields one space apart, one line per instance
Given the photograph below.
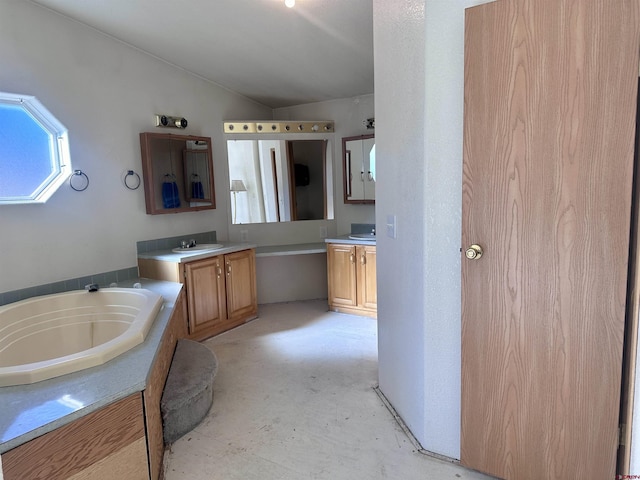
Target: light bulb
x=290 y=3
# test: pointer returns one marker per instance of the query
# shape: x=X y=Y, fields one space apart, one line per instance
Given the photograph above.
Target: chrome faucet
x=190 y=244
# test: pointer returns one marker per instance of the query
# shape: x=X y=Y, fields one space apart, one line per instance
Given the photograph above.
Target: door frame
x=630 y=348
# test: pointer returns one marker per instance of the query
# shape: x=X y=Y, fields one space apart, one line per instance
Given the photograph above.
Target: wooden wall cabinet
x=351 y=271
x=221 y=290
x=178 y=173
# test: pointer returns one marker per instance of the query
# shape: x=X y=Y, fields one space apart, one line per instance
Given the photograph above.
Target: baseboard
x=405 y=429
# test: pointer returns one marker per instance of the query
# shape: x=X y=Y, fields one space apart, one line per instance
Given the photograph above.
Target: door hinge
x=622 y=434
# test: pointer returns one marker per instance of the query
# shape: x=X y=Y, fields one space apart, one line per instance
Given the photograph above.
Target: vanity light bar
x=278 y=127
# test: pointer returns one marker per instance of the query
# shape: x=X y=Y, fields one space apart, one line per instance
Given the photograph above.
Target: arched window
x=34 y=151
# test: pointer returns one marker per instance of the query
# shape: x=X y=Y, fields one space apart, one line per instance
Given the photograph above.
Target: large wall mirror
x=359 y=167
x=279 y=180
x=177 y=172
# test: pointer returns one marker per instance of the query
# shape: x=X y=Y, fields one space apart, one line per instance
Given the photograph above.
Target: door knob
x=474 y=252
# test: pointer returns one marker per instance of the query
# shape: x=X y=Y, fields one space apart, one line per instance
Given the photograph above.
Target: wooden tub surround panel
x=177 y=329
x=96 y=443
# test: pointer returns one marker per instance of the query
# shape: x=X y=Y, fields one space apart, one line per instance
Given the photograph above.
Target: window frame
x=58 y=148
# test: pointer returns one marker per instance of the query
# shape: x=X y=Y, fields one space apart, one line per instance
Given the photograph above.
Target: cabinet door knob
x=363 y=259
x=352 y=258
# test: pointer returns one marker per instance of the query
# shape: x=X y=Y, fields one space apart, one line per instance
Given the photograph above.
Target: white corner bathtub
x=52 y=335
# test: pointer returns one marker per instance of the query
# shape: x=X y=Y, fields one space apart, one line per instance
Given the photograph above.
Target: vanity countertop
x=295 y=249
x=345 y=240
x=183 y=257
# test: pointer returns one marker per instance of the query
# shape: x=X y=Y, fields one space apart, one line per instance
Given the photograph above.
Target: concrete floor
x=294 y=399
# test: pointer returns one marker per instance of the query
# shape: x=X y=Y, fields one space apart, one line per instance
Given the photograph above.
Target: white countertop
x=261 y=251
x=295 y=249
x=344 y=239
x=182 y=257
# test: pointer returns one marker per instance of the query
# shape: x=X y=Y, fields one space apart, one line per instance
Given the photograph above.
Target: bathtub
x=52 y=335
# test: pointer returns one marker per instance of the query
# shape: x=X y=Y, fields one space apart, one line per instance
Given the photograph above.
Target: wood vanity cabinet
x=221 y=290
x=351 y=271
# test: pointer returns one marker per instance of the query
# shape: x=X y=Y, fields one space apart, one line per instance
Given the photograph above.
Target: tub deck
x=29 y=411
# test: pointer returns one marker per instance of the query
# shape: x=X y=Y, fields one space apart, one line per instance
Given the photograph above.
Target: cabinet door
x=367 y=289
x=354 y=170
x=358 y=169
x=369 y=166
x=341 y=271
x=242 y=300
x=205 y=289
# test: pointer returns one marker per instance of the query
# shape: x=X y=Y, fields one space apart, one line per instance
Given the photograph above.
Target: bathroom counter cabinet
x=351 y=269
x=221 y=289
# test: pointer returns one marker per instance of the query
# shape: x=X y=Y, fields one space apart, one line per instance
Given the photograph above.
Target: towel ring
x=136 y=180
x=79 y=188
x=169 y=177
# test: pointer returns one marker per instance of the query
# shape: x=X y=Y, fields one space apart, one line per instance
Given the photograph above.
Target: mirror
x=177 y=172
x=279 y=180
x=359 y=167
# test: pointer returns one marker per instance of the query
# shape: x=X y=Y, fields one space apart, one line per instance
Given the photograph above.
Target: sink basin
x=370 y=237
x=203 y=247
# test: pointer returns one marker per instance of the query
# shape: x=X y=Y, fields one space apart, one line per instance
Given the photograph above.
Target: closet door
x=550 y=96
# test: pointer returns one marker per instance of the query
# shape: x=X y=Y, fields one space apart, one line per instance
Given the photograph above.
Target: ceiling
x=318 y=50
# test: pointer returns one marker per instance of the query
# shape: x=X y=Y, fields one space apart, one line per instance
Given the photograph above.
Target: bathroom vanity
x=220 y=285
x=351 y=271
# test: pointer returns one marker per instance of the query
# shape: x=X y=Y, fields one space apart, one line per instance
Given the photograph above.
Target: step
x=188 y=392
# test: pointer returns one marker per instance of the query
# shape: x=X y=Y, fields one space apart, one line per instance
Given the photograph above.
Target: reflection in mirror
x=177 y=172
x=283 y=180
x=359 y=167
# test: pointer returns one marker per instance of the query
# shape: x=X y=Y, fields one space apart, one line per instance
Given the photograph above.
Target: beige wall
x=106 y=93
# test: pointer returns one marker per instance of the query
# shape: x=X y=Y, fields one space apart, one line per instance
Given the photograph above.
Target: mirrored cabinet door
x=358 y=158
x=177 y=172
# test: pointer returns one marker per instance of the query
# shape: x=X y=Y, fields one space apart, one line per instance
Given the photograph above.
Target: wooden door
x=366 y=284
x=341 y=272
x=242 y=298
x=205 y=290
x=550 y=95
